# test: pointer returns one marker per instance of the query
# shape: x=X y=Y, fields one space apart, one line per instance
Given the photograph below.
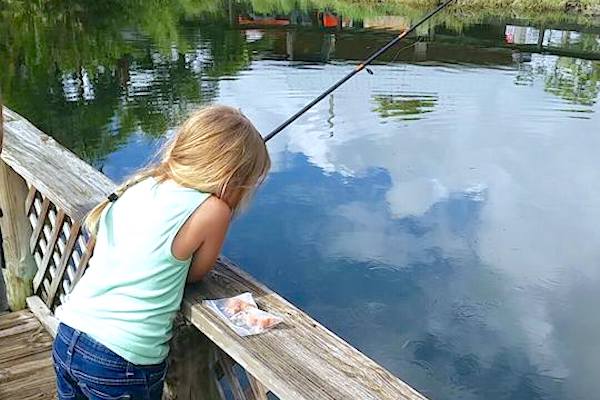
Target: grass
x=583 y=6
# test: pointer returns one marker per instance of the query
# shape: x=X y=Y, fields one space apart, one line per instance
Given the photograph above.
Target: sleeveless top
x=133 y=288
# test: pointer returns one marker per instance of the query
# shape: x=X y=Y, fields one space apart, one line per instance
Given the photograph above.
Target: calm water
x=442 y=214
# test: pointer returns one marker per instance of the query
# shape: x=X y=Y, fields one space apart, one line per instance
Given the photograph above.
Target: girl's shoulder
x=209 y=221
x=213 y=210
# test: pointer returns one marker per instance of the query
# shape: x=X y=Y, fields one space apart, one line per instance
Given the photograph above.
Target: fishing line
x=113 y=196
x=356 y=70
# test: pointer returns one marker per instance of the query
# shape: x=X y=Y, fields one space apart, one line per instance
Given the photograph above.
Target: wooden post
x=191 y=375
x=3 y=298
x=16 y=232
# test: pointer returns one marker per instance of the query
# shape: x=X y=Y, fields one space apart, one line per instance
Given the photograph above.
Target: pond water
x=442 y=214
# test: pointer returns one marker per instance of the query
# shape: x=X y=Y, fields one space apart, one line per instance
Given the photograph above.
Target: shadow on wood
x=16 y=230
x=191 y=374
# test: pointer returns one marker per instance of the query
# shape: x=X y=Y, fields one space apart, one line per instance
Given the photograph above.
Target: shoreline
x=589 y=8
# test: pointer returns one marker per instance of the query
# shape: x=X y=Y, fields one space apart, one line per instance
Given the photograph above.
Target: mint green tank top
x=128 y=297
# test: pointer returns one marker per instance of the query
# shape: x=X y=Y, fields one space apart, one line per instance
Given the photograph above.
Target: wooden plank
x=64 y=261
x=26 y=366
x=15 y=229
x=3 y=299
x=38 y=386
x=258 y=390
x=190 y=374
x=29 y=326
x=39 y=226
x=14 y=319
x=25 y=338
x=24 y=344
x=19 y=347
x=50 y=245
x=43 y=314
x=227 y=366
x=42 y=162
x=301 y=359
x=30 y=199
x=83 y=263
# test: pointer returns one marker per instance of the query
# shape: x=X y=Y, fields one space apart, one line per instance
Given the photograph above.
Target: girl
x=164 y=225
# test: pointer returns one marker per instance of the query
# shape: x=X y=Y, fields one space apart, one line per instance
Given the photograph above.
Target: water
x=441 y=214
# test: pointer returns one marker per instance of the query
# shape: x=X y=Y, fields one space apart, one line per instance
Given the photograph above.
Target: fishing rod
x=356 y=70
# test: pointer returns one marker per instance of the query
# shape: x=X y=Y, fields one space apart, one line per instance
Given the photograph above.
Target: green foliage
x=48 y=48
x=405 y=107
x=149 y=61
x=577 y=81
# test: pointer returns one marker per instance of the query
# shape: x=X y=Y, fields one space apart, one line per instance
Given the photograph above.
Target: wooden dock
x=45 y=191
x=26 y=371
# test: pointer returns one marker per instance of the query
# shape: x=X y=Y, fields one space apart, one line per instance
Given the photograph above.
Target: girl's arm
x=202 y=237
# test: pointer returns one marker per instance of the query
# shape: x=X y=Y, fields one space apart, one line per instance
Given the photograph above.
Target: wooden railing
x=46 y=191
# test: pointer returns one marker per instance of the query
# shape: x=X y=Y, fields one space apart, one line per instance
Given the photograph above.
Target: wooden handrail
x=65 y=179
x=300 y=360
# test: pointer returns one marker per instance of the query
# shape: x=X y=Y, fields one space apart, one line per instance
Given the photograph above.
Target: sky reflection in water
x=442 y=215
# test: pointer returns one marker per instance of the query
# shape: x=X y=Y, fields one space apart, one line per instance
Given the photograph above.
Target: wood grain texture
x=37 y=236
x=258 y=390
x=85 y=259
x=43 y=314
x=234 y=383
x=64 y=261
x=19 y=264
x=50 y=249
x=3 y=298
x=26 y=370
x=41 y=161
x=30 y=198
x=299 y=360
x=190 y=374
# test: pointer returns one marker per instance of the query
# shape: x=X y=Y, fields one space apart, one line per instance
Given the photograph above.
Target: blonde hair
x=216 y=150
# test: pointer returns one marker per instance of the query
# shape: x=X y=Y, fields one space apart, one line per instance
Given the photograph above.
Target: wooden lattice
x=302 y=360
x=60 y=247
x=233 y=381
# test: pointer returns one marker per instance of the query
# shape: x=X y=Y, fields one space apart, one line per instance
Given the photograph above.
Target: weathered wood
x=30 y=199
x=1 y=121
x=62 y=267
x=83 y=263
x=50 y=248
x=39 y=226
x=26 y=370
x=3 y=298
x=16 y=231
x=190 y=371
x=234 y=383
x=41 y=161
x=258 y=390
x=301 y=359
x=298 y=360
x=43 y=314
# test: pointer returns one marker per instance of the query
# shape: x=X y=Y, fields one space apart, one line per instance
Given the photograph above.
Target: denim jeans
x=85 y=369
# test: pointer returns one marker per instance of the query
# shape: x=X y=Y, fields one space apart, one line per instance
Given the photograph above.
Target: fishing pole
x=356 y=70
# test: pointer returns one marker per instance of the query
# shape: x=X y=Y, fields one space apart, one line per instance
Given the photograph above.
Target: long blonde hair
x=216 y=150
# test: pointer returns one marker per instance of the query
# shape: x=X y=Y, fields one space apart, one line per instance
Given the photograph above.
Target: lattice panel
x=235 y=383
x=60 y=248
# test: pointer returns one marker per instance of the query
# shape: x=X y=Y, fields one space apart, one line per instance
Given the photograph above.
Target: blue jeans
x=85 y=369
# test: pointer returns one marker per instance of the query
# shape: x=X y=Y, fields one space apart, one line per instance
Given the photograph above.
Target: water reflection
x=456 y=225
x=440 y=214
x=405 y=106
